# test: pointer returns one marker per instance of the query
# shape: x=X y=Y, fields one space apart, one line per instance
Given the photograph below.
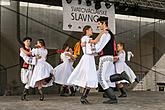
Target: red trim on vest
x=115 y=48
x=25 y=65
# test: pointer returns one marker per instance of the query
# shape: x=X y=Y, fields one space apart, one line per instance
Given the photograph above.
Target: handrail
x=3 y=67
x=147 y=68
x=9 y=67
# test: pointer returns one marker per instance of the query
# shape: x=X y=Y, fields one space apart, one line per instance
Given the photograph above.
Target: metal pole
x=0 y=29
x=27 y=14
x=154 y=54
x=18 y=23
x=140 y=53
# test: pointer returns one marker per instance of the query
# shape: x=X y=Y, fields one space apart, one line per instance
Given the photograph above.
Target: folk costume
x=26 y=71
x=85 y=75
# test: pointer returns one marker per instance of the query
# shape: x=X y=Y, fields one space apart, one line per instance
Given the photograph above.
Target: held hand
x=115 y=58
x=103 y=31
x=36 y=46
x=38 y=57
x=67 y=54
x=83 y=44
x=72 y=60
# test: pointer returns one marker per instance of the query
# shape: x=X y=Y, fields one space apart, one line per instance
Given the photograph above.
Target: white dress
x=85 y=75
x=122 y=66
x=42 y=69
x=64 y=70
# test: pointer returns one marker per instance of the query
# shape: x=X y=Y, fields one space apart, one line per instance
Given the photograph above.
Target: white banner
x=76 y=16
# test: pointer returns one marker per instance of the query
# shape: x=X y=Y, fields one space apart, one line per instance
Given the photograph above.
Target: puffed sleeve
x=62 y=56
x=121 y=56
x=34 y=51
x=84 y=39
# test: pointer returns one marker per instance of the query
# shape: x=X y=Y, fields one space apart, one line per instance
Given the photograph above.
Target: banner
x=76 y=16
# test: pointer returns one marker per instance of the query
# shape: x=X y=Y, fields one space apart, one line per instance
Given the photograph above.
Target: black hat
x=102 y=18
x=27 y=38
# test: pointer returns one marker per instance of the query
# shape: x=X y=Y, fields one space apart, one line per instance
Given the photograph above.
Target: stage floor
x=134 y=101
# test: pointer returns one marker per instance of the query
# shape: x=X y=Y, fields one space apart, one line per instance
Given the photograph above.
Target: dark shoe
x=73 y=91
x=72 y=94
x=63 y=92
x=84 y=101
x=122 y=95
x=123 y=92
x=85 y=93
x=136 y=80
x=23 y=96
x=105 y=95
x=63 y=95
x=66 y=90
x=110 y=102
x=51 y=77
x=41 y=94
x=42 y=97
x=110 y=94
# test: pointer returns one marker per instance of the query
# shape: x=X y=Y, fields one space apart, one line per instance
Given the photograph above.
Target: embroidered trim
x=100 y=77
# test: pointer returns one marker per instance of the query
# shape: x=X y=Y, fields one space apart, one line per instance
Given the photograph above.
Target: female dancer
x=64 y=70
x=42 y=76
x=121 y=66
x=85 y=75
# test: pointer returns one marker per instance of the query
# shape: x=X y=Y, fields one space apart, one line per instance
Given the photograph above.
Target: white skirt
x=62 y=72
x=85 y=75
x=41 y=71
x=122 y=66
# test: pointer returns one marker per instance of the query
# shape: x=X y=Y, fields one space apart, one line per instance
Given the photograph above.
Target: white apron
x=64 y=70
x=122 y=66
x=42 y=69
x=85 y=75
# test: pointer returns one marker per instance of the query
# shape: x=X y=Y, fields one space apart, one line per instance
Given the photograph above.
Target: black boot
x=41 y=94
x=63 y=91
x=83 y=99
x=72 y=90
x=105 y=95
x=136 y=80
x=24 y=94
x=123 y=93
x=119 y=77
x=66 y=90
x=51 y=77
x=111 y=95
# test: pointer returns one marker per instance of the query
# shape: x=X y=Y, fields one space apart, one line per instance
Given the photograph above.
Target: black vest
x=109 y=47
x=21 y=60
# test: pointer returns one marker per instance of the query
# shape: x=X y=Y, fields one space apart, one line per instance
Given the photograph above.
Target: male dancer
x=27 y=66
x=106 y=73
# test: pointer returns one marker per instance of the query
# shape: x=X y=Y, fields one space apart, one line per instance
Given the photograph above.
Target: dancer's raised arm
x=97 y=38
x=25 y=51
